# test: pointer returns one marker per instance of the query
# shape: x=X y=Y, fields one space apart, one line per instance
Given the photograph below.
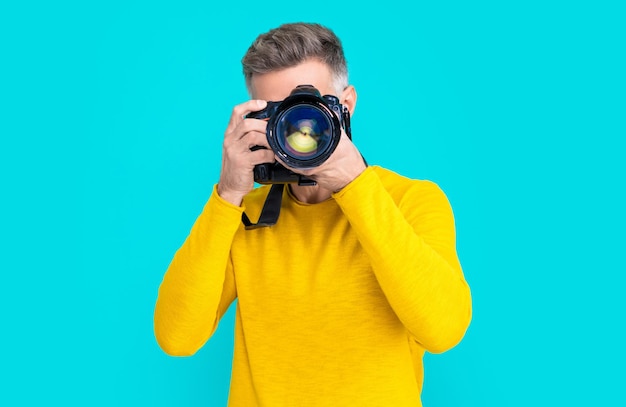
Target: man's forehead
x=277 y=85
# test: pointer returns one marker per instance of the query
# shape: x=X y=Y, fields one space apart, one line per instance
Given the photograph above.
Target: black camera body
x=303 y=131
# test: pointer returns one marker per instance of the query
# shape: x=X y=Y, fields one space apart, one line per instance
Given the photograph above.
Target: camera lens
x=304 y=129
x=304 y=133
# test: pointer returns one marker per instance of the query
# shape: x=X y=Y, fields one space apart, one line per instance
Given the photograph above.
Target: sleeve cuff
x=223 y=204
x=220 y=214
x=366 y=180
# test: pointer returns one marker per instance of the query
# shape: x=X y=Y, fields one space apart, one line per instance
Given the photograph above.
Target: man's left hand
x=342 y=167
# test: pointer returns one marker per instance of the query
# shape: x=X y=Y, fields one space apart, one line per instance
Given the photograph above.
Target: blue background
x=111 y=119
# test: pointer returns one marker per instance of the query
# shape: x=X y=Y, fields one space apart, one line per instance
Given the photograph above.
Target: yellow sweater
x=336 y=303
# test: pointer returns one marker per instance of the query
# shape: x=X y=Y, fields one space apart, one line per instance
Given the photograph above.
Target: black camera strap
x=271 y=209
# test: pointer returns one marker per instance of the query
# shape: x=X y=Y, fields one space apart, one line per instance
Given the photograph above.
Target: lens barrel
x=304 y=131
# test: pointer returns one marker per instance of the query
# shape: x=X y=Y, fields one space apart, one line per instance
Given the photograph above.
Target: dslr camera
x=303 y=131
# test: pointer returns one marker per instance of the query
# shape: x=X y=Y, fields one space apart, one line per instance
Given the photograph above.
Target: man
x=337 y=301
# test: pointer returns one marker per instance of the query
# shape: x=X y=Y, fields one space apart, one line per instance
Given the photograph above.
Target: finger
x=241 y=110
x=262 y=157
x=247 y=126
x=244 y=128
x=254 y=138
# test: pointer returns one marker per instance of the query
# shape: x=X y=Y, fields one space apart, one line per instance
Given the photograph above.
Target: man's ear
x=348 y=98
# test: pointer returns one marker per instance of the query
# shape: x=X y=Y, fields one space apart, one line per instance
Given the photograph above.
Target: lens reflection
x=303 y=132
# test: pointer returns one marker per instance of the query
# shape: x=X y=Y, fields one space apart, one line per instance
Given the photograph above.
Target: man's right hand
x=238 y=161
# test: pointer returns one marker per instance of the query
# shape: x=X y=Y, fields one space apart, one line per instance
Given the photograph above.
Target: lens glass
x=304 y=132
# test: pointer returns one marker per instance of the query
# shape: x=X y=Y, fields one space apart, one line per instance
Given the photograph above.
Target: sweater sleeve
x=411 y=244
x=199 y=285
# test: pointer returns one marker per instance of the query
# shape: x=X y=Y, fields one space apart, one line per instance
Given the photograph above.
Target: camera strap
x=271 y=209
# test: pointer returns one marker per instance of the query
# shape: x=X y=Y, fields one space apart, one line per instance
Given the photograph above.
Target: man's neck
x=310 y=194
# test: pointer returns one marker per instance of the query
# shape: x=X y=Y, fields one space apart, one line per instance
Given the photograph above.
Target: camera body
x=303 y=131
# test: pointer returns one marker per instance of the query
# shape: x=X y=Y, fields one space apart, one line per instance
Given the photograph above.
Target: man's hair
x=291 y=44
